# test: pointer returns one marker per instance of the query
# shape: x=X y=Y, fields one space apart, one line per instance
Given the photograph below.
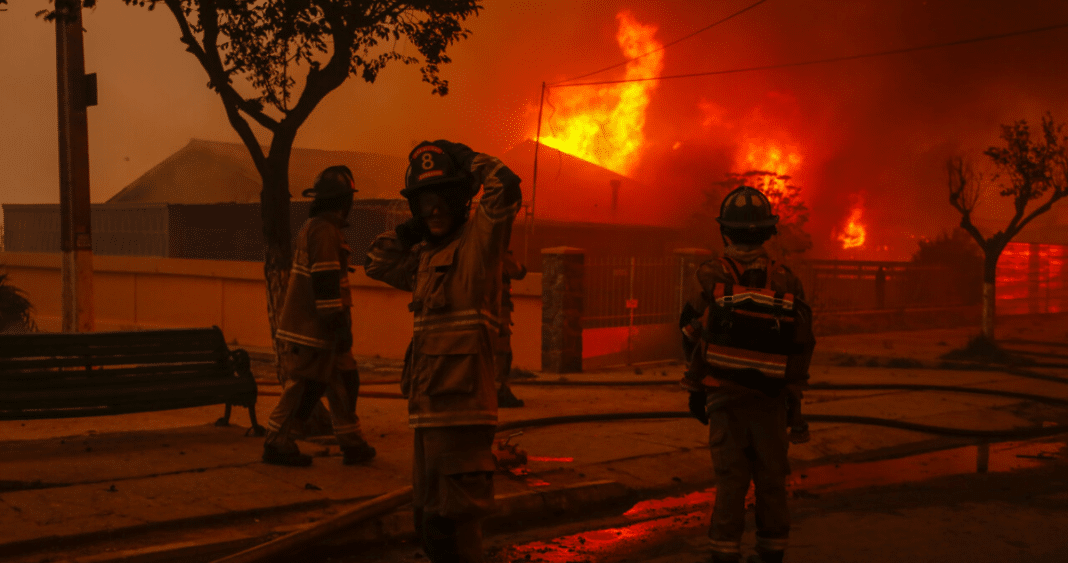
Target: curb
x=513 y=510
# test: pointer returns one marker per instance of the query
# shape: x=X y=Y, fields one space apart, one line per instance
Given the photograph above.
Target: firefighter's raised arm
x=390 y=258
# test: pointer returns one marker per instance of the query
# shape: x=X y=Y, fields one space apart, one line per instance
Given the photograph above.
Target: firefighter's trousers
x=747 y=437
x=452 y=478
x=333 y=375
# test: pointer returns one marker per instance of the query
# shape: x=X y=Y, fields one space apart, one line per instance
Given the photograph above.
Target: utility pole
x=76 y=92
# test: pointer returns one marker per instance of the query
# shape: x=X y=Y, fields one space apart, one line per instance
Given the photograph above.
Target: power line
x=827 y=60
x=665 y=46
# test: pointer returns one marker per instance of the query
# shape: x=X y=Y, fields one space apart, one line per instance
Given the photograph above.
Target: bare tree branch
x=964 y=191
x=218 y=75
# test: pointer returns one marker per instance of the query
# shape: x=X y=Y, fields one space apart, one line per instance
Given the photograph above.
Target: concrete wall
x=146 y=292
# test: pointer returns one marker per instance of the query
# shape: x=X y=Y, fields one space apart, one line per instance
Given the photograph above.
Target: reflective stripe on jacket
x=318 y=284
x=709 y=274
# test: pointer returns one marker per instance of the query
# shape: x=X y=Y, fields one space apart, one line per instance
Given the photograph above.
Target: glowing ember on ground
x=605 y=124
x=854 y=233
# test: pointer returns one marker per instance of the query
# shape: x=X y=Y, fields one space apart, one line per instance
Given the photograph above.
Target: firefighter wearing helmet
x=315 y=330
x=748 y=339
x=450 y=259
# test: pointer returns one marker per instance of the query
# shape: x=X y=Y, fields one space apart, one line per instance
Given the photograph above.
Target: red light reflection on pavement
x=603 y=544
x=663 y=519
x=653 y=508
x=550 y=459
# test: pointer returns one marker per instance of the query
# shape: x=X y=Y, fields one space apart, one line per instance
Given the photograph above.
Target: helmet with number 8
x=430 y=165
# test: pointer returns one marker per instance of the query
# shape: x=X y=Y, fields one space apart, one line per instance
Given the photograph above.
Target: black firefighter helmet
x=443 y=167
x=746 y=208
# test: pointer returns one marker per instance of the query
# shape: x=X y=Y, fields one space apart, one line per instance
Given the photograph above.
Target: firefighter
x=315 y=329
x=511 y=270
x=450 y=259
x=748 y=337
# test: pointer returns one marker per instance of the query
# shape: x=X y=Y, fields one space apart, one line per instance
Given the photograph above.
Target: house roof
x=570 y=189
x=219 y=172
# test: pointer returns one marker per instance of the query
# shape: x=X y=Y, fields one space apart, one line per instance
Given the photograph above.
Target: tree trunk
x=277 y=235
x=990 y=269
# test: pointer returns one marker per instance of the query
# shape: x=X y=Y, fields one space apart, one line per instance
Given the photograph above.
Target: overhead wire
x=888 y=52
x=664 y=46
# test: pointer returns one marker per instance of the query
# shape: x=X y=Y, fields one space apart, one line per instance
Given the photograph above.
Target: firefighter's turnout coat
x=318 y=285
x=727 y=373
x=456 y=300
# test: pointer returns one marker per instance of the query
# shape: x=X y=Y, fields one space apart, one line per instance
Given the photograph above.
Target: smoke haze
x=881 y=128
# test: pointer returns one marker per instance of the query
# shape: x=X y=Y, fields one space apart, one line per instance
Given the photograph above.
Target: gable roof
x=574 y=190
x=219 y=172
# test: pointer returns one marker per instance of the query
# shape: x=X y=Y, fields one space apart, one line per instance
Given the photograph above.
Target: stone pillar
x=562 y=289
x=687 y=260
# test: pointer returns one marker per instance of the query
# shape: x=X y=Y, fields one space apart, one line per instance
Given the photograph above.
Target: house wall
x=148 y=292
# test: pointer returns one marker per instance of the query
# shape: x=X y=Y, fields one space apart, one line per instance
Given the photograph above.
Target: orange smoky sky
x=879 y=128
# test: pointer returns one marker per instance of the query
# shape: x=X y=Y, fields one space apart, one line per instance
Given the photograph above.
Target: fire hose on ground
x=400 y=497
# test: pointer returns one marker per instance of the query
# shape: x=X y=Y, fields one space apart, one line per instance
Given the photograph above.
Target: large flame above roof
x=605 y=124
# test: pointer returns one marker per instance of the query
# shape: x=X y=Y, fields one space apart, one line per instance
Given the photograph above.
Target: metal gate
x=631 y=292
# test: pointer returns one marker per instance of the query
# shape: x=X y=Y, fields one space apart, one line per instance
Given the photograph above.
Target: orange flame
x=770 y=156
x=605 y=125
x=855 y=232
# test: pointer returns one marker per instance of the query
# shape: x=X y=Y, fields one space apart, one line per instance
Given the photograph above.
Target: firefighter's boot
x=361 y=453
x=292 y=459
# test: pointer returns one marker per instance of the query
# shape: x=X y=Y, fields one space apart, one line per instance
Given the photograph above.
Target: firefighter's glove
x=698 y=405
x=409 y=233
x=799 y=433
x=460 y=153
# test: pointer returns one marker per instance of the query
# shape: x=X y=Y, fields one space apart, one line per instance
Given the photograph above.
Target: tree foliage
x=16 y=312
x=1028 y=169
x=268 y=44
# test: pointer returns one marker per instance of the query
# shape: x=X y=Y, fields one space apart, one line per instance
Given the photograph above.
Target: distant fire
x=770 y=156
x=605 y=124
x=854 y=233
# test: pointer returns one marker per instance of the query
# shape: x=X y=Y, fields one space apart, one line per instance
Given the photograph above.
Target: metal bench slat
x=35 y=377
x=115 y=360
x=208 y=392
x=128 y=377
x=47 y=344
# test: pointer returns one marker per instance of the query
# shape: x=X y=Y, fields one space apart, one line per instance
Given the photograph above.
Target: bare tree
x=1030 y=169
x=262 y=45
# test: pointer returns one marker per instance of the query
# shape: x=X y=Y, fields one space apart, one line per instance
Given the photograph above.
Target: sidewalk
x=64 y=482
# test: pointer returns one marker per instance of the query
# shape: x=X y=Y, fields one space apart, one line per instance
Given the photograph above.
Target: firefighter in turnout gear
x=315 y=329
x=450 y=259
x=511 y=270
x=748 y=338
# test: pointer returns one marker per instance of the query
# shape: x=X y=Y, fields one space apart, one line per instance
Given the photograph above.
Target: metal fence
x=838 y=286
x=1032 y=279
x=629 y=291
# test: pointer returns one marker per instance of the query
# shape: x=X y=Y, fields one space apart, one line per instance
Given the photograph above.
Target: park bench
x=63 y=375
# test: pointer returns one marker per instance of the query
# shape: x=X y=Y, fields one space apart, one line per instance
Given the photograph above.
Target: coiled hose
x=1014 y=434
x=1011 y=434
